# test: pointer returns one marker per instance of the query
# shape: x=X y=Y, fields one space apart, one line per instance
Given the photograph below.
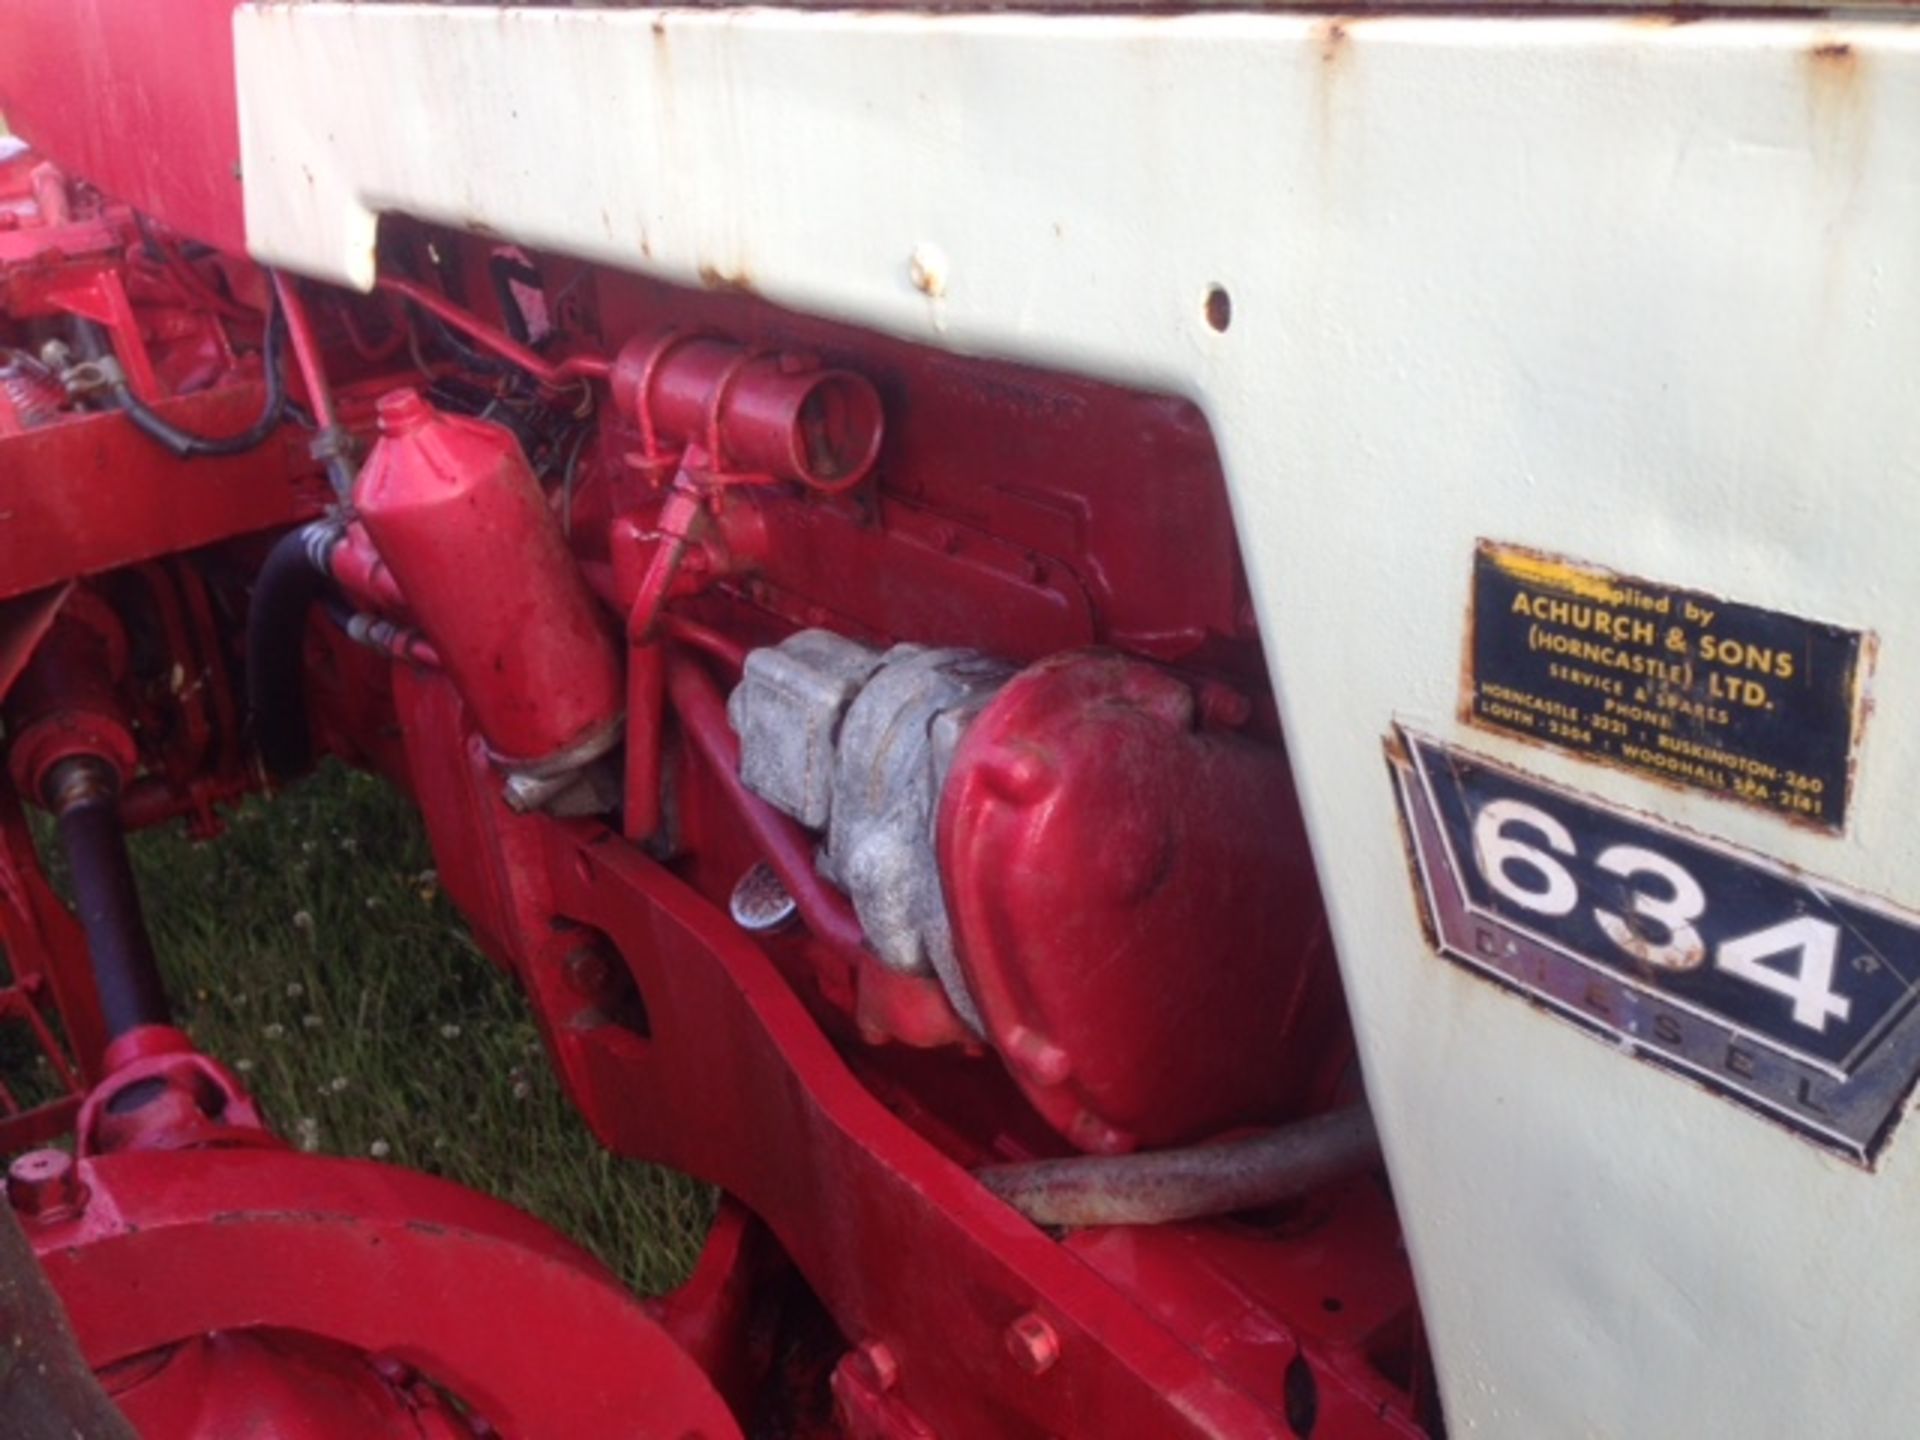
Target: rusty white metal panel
x=1641 y=292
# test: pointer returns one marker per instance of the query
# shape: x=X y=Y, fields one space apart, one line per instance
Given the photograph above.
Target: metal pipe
x=550 y=373
x=383 y=636
x=306 y=352
x=1163 y=1185
x=787 y=848
x=692 y=633
x=83 y=792
x=331 y=444
x=704 y=638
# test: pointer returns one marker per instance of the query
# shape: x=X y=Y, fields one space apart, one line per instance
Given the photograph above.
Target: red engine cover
x=1134 y=907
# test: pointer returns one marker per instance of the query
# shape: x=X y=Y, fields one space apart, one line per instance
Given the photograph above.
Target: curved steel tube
x=1186 y=1184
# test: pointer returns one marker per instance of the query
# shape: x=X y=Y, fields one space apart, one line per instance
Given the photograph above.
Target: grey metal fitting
x=857 y=743
x=322 y=537
x=87 y=376
x=787 y=710
x=894 y=749
x=583 y=779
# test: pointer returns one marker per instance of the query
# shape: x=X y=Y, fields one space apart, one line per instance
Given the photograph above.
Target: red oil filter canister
x=456 y=513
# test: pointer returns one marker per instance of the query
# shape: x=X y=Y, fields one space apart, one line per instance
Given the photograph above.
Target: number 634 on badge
x=1786 y=994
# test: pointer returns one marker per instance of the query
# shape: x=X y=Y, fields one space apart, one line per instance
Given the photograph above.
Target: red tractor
x=862 y=756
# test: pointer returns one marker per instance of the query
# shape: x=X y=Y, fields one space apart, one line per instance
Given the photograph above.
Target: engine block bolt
x=760 y=903
x=1038 y=1058
x=883 y=1370
x=587 y=972
x=44 y=1186
x=1033 y=1343
x=1223 y=706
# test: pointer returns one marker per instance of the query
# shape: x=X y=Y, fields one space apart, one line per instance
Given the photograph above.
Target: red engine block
x=975 y=951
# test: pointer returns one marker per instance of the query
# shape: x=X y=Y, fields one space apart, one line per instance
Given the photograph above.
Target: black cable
x=185 y=444
x=566 y=480
x=466 y=354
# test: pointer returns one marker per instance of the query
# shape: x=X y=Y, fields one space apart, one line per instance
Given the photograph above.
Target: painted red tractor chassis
x=831 y=1100
x=933 y=1278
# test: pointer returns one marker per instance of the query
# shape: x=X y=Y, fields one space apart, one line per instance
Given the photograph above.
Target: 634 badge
x=1786 y=994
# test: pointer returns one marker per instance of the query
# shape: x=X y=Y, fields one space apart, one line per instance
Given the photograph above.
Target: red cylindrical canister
x=458 y=517
x=756 y=412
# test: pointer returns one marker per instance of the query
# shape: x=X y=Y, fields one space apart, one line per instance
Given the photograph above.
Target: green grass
x=310 y=949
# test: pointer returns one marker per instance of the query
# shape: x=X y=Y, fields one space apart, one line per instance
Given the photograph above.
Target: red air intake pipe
x=753 y=414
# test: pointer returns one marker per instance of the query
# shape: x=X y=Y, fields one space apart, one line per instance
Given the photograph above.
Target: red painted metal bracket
x=906 y=1249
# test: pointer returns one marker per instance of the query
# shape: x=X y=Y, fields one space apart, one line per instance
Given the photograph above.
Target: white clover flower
x=274 y=1031
x=337 y=1084
x=245 y=1067
x=294 y=988
x=306 y=1133
x=379 y=1149
x=521 y=1089
x=303 y=920
x=311 y=1022
x=450 y=1031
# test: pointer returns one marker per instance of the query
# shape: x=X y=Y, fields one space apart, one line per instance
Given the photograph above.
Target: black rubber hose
x=124 y=969
x=184 y=444
x=283 y=595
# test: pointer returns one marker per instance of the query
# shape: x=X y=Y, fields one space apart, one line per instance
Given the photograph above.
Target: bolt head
x=883 y=1370
x=760 y=904
x=587 y=972
x=1036 y=1057
x=1033 y=1343
x=44 y=1186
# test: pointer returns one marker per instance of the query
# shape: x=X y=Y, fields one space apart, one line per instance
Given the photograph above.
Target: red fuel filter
x=458 y=517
